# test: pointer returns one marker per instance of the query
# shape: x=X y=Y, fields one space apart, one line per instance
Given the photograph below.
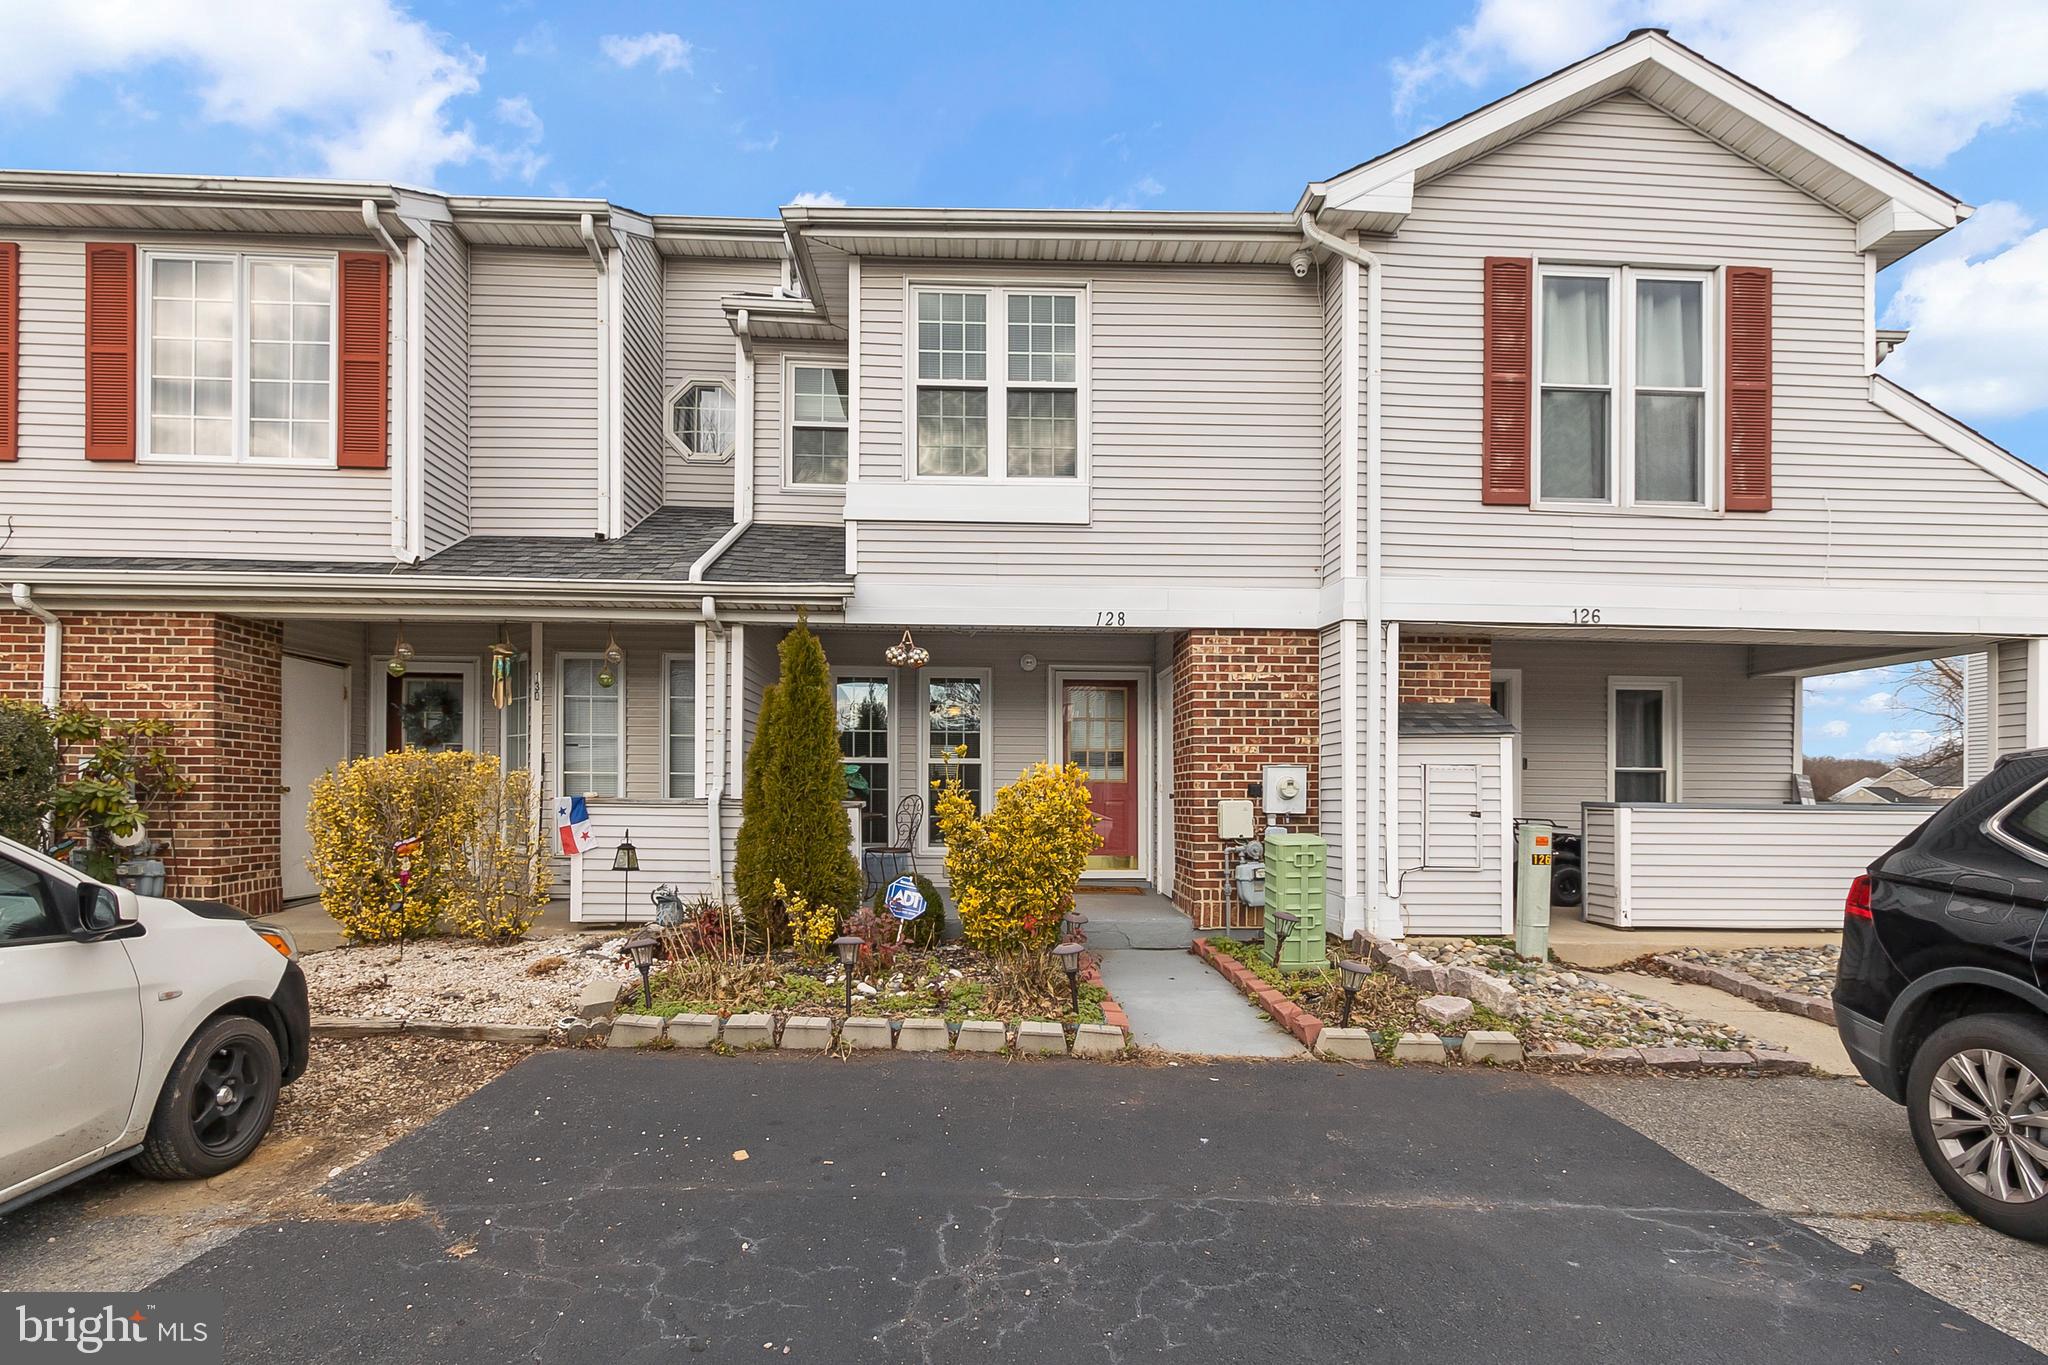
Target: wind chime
x=504 y=658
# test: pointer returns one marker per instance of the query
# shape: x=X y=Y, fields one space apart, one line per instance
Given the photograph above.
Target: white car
x=135 y=1029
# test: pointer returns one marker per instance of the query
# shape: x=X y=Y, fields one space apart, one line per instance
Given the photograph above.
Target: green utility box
x=1294 y=883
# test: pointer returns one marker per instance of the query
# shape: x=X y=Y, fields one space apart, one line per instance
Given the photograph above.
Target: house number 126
x=1585 y=616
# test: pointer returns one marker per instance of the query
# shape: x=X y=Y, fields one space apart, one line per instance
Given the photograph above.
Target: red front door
x=1099 y=729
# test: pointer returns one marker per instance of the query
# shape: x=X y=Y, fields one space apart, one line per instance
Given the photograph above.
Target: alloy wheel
x=1989 y=1114
x=227 y=1100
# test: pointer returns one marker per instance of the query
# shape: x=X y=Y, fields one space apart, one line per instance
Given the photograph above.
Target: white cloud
x=756 y=142
x=1977 y=304
x=1877 y=703
x=667 y=51
x=355 y=88
x=1913 y=84
x=1135 y=195
x=1900 y=743
x=1827 y=689
x=816 y=199
x=1833 y=729
x=538 y=41
x=524 y=159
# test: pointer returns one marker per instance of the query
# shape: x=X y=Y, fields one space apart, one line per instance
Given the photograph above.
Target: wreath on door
x=432 y=722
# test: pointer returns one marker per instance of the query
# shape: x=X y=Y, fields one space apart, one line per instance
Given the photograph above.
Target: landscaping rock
x=750 y=1030
x=692 y=1030
x=807 y=1033
x=635 y=1030
x=1491 y=1045
x=1671 y=1058
x=1445 y=1011
x=1420 y=1047
x=1556 y=1056
x=982 y=1035
x=597 y=1000
x=1098 y=1040
x=865 y=1033
x=922 y=1035
x=1346 y=1044
x=1418 y=972
x=531 y=1034
x=1036 y=1035
x=1481 y=988
x=1615 y=1057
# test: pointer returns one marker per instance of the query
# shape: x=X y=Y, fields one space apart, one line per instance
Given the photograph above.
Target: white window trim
x=921 y=716
x=1513 y=678
x=790 y=365
x=1621 y=318
x=668 y=735
x=894 y=763
x=997 y=381
x=668 y=418
x=380 y=667
x=238 y=404
x=1674 y=729
x=561 y=734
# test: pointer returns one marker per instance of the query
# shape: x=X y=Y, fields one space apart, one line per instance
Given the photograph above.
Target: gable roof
x=1895 y=210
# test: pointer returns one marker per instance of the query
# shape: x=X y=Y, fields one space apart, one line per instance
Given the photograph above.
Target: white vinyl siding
x=280 y=511
x=697 y=342
x=1205 y=436
x=776 y=498
x=1623 y=181
x=444 y=452
x=533 y=392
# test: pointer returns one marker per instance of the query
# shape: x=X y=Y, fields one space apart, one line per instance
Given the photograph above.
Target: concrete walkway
x=1175 y=1002
x=1808 y=1038
x=1597 y=947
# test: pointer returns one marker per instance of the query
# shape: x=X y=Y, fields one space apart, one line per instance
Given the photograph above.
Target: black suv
x=1940 y=995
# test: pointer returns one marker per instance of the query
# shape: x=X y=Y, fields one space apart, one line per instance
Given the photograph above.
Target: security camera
x=1300 y=262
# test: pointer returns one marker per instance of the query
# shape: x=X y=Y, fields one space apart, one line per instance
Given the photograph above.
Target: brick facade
x=1241 y=699
x=219 y=679
x=1446 y=668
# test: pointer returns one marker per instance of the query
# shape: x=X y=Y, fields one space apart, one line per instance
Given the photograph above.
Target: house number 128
x=1109 y=618
x=1585 y=616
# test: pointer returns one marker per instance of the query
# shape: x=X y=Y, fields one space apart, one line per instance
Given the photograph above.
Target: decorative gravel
x=1810 y=971
x=456 y=981
x=1561 y=1005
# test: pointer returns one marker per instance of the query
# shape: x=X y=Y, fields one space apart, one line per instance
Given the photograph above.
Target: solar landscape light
x=1068 y=955
x=1287 y=921
x=848 y=948
x=642 y=946
x=1070 y=924
x=1354 y=973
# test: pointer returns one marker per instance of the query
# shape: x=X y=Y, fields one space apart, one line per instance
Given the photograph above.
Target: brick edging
x=1816 y=1007
x=1112 y=1013
x=1304 y=1026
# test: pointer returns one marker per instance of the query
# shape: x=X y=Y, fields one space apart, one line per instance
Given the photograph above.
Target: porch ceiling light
x=642 y=946
x=1068 y=955
x=1354 y=973
x=907 y=653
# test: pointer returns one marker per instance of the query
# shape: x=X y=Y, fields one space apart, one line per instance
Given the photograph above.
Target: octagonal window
x=702 y=420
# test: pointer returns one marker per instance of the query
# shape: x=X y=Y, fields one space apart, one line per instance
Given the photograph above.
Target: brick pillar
x=1241 y=699
x=1446 y=668
x=219 y=680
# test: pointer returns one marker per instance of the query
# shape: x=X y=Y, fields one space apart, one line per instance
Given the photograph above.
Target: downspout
x=743 y=449
x=402 y=528
x=1380 y=788
x=714 y=773
x=53 y=645
x=586 y=228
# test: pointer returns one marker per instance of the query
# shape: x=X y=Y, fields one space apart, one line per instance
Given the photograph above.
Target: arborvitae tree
x=793 y=823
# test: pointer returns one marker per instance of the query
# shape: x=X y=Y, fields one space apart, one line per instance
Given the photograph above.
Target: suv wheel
x=1978 y=1098
x=216 y=1104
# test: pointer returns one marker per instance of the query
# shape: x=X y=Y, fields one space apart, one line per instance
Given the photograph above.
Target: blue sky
x=699 y=109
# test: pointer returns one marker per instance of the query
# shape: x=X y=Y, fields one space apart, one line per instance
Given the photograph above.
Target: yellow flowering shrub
x=1014 y=871
x=811 y=927
x=406 y=842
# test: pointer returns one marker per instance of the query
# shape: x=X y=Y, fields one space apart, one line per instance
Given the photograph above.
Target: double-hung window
x=1623 y=368
x=955 y=738
x=1643 y=738
x=593 y=733
x=239 y=357
x=1032 y=387
x=865 y=734
x=679 y=723
x=818 y=425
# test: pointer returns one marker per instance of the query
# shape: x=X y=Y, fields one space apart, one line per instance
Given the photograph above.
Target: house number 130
x=1585 y=616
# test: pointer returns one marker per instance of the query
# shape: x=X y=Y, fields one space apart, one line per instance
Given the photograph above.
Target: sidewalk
x=1174 y=1001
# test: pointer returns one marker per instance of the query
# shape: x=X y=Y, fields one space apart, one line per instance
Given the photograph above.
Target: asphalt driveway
x=596 y=1206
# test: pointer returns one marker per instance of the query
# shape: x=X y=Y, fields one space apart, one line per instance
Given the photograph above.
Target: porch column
x=2019 y=695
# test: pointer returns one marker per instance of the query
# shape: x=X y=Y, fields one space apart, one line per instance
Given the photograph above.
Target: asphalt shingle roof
x=1452 y=718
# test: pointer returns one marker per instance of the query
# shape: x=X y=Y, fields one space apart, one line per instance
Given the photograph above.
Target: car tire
x=216 y=1104
x=1567 y=886
x=1952 y=1123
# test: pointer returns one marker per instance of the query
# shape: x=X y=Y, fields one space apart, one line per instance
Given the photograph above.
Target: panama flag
x=572 y=819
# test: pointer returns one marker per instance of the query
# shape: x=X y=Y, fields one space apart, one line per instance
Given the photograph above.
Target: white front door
x=315 y=739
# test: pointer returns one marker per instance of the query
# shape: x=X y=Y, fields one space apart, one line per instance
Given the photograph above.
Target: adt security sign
x=905 y=900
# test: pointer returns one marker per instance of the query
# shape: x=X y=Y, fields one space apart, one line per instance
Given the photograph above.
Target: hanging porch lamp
x=614 y=660
x=401 y=655
x=907 y=653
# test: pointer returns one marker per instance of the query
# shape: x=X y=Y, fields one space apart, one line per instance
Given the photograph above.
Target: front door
x=1099 y=732
x=314 y=739
x=424 y=710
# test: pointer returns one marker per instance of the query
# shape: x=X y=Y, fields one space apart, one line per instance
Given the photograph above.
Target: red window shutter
x=363 y=441
x=10 y=350
x=1749 y=389
x=110 y=350
x=1507 y=386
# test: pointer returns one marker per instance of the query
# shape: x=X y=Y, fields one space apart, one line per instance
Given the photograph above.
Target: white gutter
x=714 y=776
x=1381 y=792
x=53 y=645
x=404 y=534
x=743 y=450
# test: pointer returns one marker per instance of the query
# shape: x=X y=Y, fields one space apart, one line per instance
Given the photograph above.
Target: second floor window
x=818 y=424
x=1623 y=367
x=1034 y=388
x=239 y=358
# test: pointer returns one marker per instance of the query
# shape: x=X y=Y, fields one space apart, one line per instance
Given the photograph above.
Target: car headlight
x=280 y=939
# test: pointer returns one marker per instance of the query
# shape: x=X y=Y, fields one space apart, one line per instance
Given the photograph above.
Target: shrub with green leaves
x=928 y=929
x=28 y=770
